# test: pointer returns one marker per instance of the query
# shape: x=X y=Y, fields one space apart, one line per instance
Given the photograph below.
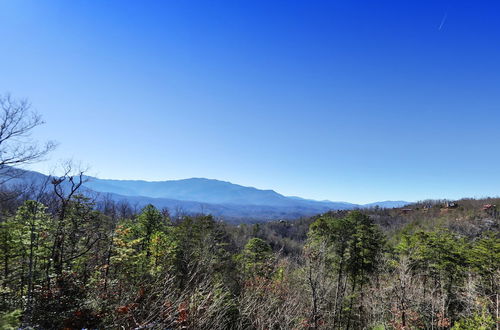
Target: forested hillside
x=68 y=262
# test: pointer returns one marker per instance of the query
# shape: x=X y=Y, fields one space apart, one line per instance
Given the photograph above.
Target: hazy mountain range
x=199 y=195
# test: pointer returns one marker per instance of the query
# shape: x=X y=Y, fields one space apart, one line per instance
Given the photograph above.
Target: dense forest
x=69 y=261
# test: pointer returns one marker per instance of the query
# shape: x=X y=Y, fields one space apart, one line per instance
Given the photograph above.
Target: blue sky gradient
x=357 y=101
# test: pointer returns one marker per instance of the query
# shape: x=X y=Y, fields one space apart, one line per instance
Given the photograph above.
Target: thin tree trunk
x=337 y=289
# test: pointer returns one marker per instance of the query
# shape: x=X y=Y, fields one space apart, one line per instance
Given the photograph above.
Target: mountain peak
x=220 y=198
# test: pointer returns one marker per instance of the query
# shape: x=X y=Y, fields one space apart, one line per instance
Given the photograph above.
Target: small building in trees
x=450 y=205
x=490 y=209
x=406 y=211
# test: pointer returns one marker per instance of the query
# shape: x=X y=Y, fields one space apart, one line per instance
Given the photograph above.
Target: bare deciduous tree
x=17 y=122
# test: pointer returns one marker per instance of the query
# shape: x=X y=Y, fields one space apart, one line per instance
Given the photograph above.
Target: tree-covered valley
x=74 y=260
x=67 y=262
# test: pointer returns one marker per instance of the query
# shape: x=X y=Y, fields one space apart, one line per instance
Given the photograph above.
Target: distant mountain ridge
x=220 y=198
x=194 y=189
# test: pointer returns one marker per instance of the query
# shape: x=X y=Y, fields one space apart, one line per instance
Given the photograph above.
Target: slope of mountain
x=194 y=189
x=207 y=191
x=386 y=204
x=199 y=195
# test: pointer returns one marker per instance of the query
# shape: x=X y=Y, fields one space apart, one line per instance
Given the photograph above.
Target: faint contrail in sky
x=443 y=21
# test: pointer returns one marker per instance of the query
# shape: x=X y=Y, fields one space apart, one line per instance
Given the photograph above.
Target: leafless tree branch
x=17 y=122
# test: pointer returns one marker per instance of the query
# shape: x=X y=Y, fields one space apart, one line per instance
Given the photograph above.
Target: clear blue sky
x=357 y=101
